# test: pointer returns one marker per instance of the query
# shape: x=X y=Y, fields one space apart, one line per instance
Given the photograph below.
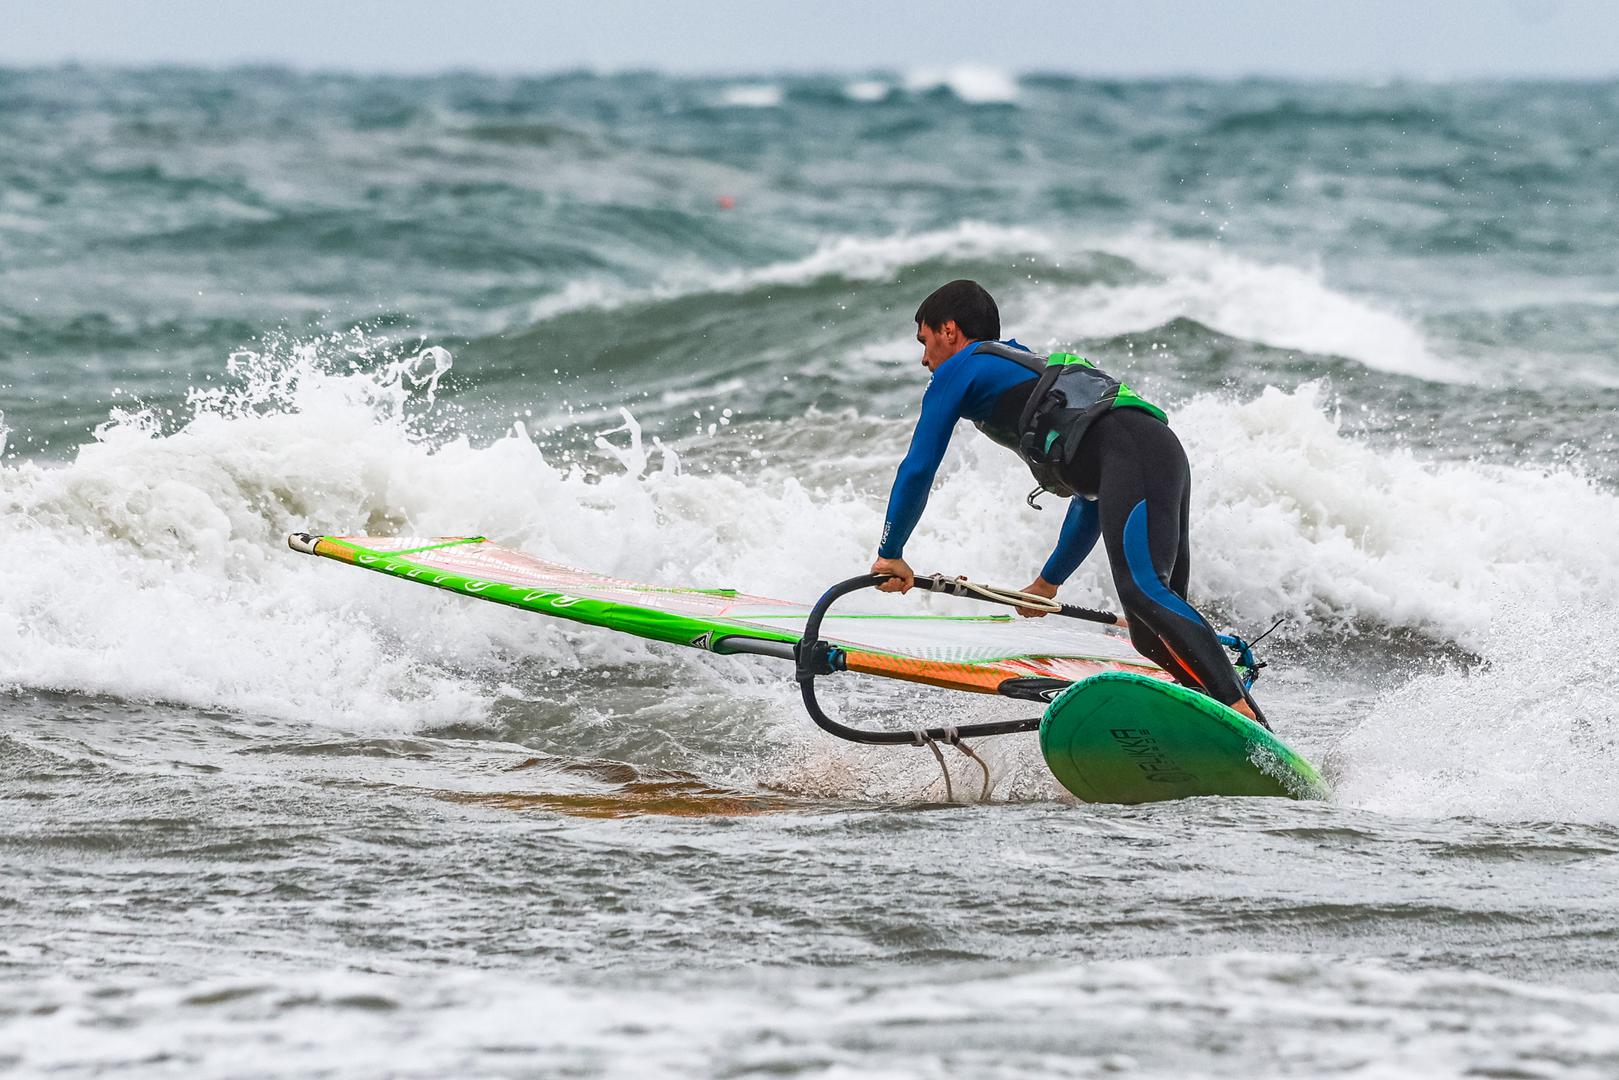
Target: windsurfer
x=1084 y=435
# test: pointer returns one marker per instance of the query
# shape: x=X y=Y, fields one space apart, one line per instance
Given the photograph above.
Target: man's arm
x=1080 y=530
x=941 y=408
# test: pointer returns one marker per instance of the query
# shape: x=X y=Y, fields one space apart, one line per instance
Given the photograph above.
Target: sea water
x=262 y=815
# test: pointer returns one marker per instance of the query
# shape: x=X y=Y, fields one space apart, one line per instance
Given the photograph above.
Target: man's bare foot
x=1241 y=705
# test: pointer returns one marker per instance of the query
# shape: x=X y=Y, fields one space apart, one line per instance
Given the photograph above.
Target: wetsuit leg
x=1181 y=572
x=1143 y=485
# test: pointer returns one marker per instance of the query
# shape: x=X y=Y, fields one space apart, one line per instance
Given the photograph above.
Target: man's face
x=941 y=344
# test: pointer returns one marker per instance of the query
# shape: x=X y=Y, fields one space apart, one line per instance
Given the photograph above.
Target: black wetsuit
x=1133 y=465
x=1136 y=468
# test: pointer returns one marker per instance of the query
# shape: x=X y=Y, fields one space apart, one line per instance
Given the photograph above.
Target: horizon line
x=245 y=64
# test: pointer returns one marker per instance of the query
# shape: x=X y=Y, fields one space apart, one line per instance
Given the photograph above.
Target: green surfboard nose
x=1124 y=738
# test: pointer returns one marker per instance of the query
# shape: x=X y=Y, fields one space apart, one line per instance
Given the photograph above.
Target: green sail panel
x=963 y=652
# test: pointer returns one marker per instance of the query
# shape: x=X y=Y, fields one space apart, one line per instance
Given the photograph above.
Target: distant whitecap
x=752 y=96
x=867 y=90
x=976 y=84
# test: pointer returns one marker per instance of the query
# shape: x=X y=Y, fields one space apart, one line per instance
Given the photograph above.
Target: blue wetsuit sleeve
x=1080 y=530
x=941 y=408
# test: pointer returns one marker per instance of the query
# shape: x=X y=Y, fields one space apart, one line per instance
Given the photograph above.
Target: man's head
x=953 y=317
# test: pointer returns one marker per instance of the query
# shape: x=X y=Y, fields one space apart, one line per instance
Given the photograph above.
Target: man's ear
x=950 y=331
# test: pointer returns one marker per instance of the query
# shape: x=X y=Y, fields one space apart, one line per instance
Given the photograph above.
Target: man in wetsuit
x=1130 y=476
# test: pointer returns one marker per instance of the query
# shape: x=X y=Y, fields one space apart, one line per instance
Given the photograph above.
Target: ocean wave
x=974 y=84
x=1531 y=735
x=867 y=90
x=171 y=535
x=1349 y=529
x=1281 y=306
x=1124 y=284
x=751 y=96
x=1293 y=517
x=1299 y=116
x=1228 y=1014
x=850 y=258
x=527 y=134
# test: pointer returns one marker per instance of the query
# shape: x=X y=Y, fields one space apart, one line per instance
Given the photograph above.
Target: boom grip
x=815 y=657
x=1107 y=618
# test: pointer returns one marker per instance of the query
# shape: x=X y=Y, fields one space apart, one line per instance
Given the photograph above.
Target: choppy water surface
x=268 y=816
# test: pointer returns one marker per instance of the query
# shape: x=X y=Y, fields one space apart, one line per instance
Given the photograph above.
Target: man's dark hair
x=968 y=304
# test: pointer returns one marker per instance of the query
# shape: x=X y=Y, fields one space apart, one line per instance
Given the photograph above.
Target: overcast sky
x=1305 y=38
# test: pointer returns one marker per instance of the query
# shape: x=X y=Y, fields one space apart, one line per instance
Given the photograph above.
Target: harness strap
x=1033 y=361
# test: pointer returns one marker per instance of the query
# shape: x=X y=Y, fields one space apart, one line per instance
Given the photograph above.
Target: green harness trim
x=1126 y=398
x=1045 y=424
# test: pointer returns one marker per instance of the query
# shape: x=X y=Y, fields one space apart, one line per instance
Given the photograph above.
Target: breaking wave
x=153 y=566
x=1080 y=287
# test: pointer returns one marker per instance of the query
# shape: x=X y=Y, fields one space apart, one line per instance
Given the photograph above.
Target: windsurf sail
x=958 y=652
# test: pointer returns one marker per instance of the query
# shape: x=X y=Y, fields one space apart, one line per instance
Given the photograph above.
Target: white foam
x=975 y=84
x=867 y=90
x=854 y=258
x=752 y=96
x=1224 y=1015
x=1287 y=307
x=1515 y=564
x=1291 y=516
x=1296 y=517
x=153 y=565
x=1283 y=306
x=1529 y=735
x=182 y=529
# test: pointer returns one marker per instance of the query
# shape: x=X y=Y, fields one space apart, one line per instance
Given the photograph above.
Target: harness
x=1044 y=425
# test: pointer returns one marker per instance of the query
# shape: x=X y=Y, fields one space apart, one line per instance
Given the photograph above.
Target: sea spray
x=1530 y=733
x=1292 y=516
